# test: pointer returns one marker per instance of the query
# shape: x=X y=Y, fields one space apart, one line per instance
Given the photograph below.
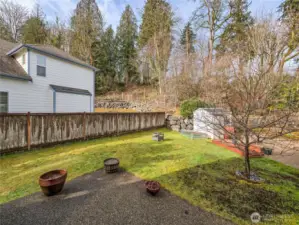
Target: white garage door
x=66 y=102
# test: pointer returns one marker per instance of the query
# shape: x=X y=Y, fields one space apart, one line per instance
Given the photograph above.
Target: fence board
x=47 y=128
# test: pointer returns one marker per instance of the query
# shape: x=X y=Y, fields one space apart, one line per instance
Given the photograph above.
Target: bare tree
x=211 y=15
x=290 y=18
x=14 y=16
x=156 y=55
x=259 y=103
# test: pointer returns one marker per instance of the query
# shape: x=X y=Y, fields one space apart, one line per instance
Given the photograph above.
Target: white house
x=42 y=78
x=211 y=121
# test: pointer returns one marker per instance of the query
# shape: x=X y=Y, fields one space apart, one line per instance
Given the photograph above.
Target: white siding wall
x=78 y=103
x=37 y=96
x=20 y=60
x=205 y=122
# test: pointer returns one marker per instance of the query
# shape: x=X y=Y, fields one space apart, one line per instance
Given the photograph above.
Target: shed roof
x=214 y=111
x=70 y=90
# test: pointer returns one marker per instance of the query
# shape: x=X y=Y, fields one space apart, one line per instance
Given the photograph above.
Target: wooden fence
x=23 y=131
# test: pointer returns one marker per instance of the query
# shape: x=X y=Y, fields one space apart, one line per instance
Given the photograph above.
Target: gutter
x=17 y=77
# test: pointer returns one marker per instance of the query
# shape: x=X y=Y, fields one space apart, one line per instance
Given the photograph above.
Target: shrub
x=189 y=106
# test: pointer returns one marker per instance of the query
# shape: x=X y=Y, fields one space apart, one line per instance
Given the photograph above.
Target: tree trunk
x=210 y=54
x=281 y=65
x=160 y=84
x=247 y=161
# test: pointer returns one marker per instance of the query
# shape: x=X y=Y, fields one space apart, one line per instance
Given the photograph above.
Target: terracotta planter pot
x=152 y=187
x=52 y=182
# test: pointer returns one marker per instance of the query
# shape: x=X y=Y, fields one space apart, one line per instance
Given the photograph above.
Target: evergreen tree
x=157 y=18
x=155 y=40
x=187 y=39
x=126 y=37
x=235 y=33
x=34 y=30
x=87 y=27
x=57 y=34
x=104 y=54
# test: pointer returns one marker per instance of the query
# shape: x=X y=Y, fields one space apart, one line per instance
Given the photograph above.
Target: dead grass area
x=113 y=110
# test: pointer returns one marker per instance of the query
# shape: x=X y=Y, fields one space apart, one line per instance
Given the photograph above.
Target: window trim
x=40 y=65
x=7 y=101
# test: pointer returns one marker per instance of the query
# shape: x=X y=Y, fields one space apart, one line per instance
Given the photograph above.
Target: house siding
x=37 y=96
x=18 y=57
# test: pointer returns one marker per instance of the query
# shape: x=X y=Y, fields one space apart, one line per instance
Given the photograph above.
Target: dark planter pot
x=152 y=187
x=52 y=182
x=111 y=165
x=267 y=151
x=158 y=137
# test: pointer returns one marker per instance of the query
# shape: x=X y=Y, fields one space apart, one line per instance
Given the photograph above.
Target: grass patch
x=196 y=170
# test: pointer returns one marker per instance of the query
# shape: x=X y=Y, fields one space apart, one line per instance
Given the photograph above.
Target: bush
x=189 y=106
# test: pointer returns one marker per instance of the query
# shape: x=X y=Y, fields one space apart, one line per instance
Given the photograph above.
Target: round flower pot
x=152 y=187
x=111 y=165
x=52 y=182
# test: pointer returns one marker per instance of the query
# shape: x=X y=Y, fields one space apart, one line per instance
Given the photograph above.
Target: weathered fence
x=23 y=131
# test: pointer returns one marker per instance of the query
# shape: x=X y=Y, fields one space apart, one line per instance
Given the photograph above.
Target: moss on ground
x=196 y=170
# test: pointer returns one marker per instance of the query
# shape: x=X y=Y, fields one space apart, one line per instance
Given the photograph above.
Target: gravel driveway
x=99 y=198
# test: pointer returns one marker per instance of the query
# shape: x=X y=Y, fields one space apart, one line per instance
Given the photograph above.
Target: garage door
x=66 y=102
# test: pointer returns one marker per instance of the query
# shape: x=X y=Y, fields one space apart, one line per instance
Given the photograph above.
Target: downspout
x=93 y=94
x=90 y=104
x=54 y=101
x=28 y=68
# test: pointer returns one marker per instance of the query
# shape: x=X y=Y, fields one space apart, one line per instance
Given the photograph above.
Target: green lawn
x=196 y=170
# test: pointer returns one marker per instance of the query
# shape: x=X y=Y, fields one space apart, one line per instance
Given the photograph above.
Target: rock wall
x=178 y=123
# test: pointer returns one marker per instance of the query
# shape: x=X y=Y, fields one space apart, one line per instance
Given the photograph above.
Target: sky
x=112 y=9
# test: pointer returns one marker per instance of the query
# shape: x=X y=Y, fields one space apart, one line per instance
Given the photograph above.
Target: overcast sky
x=112 y=9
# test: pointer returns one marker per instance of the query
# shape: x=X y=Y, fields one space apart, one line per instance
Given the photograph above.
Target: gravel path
x=99 y=198
x=284 y=151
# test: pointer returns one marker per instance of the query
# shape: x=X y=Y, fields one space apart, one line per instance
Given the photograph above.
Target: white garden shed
x=211 y=121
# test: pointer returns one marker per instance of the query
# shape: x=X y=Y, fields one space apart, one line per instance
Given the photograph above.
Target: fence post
x=117 y=127
x=84 y=125
x=28 y=131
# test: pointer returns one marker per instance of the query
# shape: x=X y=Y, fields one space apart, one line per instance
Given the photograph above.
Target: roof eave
x=16 y=49
x=18 y=77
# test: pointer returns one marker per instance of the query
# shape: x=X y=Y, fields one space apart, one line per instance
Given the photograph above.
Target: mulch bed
x=254 y=151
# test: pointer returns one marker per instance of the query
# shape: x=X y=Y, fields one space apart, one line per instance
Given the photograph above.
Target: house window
x=3 y=102
x=23 y=59
x=41 y=66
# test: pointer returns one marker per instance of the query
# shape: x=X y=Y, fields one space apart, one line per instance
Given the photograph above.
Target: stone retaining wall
x=178 y=123
x=139 y=107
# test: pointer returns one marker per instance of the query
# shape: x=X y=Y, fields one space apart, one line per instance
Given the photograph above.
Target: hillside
x=146 y=97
